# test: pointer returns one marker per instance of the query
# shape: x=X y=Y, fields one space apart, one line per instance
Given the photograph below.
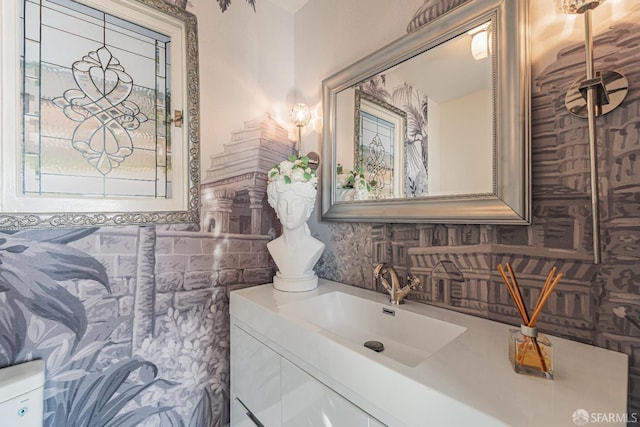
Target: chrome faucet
x=395 y=291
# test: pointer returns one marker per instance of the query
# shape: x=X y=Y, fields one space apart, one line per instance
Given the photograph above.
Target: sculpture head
x=292 y=202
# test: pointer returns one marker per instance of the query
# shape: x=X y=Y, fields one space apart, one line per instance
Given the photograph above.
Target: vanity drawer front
x=308 y=402
x=255 y=379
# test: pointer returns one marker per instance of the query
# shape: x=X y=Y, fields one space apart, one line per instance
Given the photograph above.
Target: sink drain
x=376 y=346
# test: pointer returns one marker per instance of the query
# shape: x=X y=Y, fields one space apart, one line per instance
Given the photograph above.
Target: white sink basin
x=408 y=338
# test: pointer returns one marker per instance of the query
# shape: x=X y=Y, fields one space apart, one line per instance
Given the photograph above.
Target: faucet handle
x=413 y=282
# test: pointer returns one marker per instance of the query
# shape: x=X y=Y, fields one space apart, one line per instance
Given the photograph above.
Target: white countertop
x=468 y=382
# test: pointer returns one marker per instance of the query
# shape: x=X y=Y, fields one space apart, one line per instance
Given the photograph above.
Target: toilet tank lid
x=19 y=379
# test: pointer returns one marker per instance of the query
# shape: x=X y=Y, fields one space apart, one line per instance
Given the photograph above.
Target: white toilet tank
x=21 y=394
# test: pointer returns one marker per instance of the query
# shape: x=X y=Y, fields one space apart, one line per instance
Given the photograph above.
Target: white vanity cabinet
x=329 y=378
x=255 y=381
x=269 y=390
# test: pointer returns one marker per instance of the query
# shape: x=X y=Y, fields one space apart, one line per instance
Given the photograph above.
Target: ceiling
x=290 y=6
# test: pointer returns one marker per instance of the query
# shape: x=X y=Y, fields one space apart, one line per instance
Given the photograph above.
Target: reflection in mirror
x=423 y=127
x=434 y=127
x=380 y=131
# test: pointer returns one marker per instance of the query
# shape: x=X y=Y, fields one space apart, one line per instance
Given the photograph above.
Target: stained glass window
x=377 y=147
x=95 y=97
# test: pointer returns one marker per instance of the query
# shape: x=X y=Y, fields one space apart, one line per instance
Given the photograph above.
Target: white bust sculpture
x=295 y=252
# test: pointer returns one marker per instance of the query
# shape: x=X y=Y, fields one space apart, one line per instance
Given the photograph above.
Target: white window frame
x=27 y=211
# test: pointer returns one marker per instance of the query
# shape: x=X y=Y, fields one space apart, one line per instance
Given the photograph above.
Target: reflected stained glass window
x=377 y=148
x=95 y=98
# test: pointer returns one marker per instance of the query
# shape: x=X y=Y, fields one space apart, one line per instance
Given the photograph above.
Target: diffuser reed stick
x=530 y=321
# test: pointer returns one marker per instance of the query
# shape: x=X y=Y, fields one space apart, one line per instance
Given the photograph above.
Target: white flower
x=285 y=167
x=355 y=180
x=293 y=170
x=297 y=175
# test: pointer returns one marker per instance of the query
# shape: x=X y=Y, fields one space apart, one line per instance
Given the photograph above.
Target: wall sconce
x=597 y=94
x=481 y=41
x=300 y=116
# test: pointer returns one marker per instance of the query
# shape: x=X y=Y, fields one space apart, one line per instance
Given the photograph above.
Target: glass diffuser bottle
x=530 y=352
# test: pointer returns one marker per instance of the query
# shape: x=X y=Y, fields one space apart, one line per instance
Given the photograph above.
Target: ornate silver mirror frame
x=509 y=203
x=177 y=198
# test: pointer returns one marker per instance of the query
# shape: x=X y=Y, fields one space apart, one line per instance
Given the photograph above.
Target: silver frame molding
x=191 y=213
x=510 y=202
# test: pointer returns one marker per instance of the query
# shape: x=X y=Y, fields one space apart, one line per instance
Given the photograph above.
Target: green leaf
x=305 y=161
x=287 y=179
x=307 y=176
x=292 y=158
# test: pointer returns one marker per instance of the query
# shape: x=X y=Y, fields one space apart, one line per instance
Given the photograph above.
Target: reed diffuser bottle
x=529 y=351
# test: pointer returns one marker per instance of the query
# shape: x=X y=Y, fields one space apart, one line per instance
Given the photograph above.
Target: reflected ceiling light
x=597 y=94
x=481 y=41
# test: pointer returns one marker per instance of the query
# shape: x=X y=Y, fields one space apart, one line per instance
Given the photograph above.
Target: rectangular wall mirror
x=99 y=113
x=435 y=126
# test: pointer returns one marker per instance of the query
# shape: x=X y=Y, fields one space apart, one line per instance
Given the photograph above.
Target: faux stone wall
x=76 y=309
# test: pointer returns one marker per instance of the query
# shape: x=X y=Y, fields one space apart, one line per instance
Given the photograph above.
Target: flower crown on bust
x=293 y=170
x=355 y=179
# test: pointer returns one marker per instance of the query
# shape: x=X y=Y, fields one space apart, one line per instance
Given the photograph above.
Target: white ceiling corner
x=291 y=6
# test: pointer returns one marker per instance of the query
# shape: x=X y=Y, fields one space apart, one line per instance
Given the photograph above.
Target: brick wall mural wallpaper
x=595 y=304
x=133 y=322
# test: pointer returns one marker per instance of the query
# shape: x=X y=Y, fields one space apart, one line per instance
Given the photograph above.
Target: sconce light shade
x=481 y=41
x=300 y=115
x=578 y=6
x=479 y=45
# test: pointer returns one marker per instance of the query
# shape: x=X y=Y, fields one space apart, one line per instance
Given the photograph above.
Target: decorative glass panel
x=94 y=112
x=380 y=145
x=88 y=90
x=377 y=140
